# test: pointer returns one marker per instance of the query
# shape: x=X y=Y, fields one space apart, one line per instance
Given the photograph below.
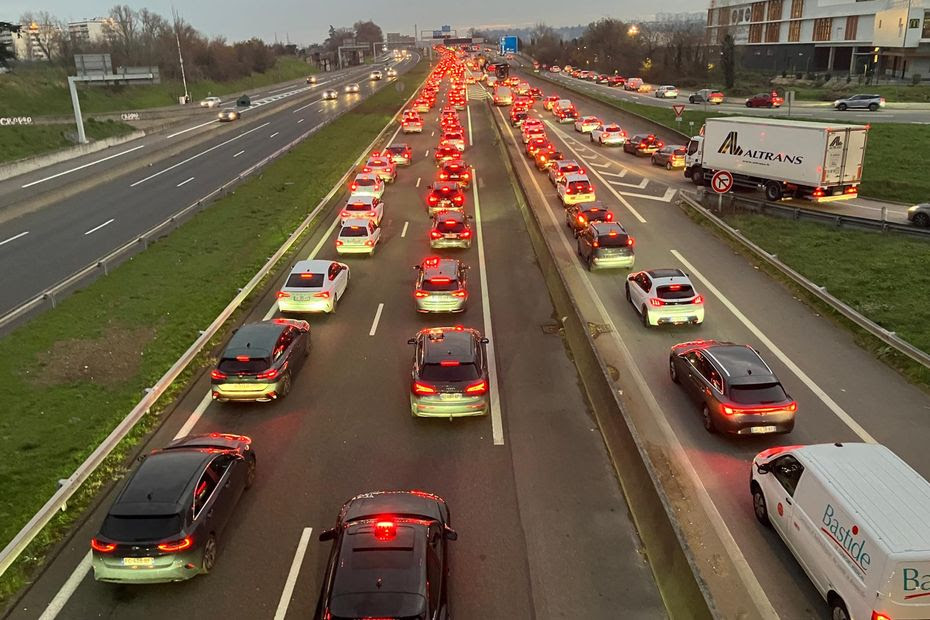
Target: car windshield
x=440 y=283
x=139 y=528
x=758 y=394
x=354 y=231
x=675 y=291
x=458 y=372
x=304 y=280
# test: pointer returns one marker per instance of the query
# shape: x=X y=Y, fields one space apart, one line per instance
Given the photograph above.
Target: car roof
x=658 y=274
x=312 y=266
x=443 y=267
x=741 y=363
x=603 y=228
x=160 y=483
x=572 y=177
x=448 y=343
x=356 y=222
x=254 y=339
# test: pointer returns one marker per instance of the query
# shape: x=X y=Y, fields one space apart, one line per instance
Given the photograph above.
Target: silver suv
x=860 y=102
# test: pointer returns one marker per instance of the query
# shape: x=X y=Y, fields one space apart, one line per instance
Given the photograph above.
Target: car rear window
x=680 y=152
x=580 y=187
x=596 y=215
x=135 y=528
x=758 y=394
x=569 y=168
x=253 y=365
x=450 y=226
x=675 y=291
x=459 y=372
x=440 y=284
x=354 y=231
x=612 y=129
x=304 y=280
x=365 y=182
x=358 y=206
x=618 y=240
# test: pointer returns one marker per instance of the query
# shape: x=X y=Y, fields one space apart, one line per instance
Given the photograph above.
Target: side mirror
x=450 y=534
x=412 y=341
x=329 y=534
x=763 y=469
x=417 y=267
x=485 y=341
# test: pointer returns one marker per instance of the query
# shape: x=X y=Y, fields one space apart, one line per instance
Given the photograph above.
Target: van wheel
x=838 y=609
x=773 y=191
x=709 y=425
x=759 y=506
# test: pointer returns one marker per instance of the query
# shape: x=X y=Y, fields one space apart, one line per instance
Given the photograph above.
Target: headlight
x=913 y=209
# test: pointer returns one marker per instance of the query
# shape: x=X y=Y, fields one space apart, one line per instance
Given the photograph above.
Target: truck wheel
x=697 y=176
x=773 y=191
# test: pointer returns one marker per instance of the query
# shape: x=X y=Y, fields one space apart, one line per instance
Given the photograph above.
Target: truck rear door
x=845 y=150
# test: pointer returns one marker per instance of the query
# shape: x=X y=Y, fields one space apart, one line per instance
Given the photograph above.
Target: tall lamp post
x=177 y=38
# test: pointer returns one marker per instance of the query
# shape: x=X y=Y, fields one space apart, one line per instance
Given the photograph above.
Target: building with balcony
x=97 y=30
x=888 y=37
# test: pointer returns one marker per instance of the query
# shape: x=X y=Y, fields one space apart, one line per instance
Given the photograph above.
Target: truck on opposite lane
x=784 y=158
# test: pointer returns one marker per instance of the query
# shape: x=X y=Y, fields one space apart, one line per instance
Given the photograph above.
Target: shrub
x=798 y=75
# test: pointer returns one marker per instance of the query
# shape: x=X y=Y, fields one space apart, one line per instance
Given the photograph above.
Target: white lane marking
x=14 y=237
x=432 y=134
x=271 y=311
x=195 y=415
x=239 y=153
x=96 y=228
x=606 y=183
x=67 y=590
x=641 y=185
x=771 y=346
x=178 y=133
x=426 y=154
x=600 y=165
x=418 y=181
x=300 y=120
x=185 y=182
x=288 y=591
x=619 y=175
x=193 y=157
x=306 y=106
x=471 y=140
x=92 y=163
x=274 y=134
x=497 y=424
x=675 y=449
x=667 y=197
x=374 y=324
x=403 y=233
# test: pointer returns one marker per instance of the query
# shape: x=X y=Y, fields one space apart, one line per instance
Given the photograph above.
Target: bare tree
x=125 y=33
x=46 y=32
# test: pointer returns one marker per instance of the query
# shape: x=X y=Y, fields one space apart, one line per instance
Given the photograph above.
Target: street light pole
x=177 y=38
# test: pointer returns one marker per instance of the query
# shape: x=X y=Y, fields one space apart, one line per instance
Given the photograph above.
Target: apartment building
x=94 y=30
x=888 y=37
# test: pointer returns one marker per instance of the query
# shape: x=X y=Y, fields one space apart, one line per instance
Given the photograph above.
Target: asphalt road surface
x=44 y=246
x=843 y=392
x=543 y=528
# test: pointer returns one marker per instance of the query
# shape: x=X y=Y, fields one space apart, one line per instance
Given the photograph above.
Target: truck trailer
x=784 y=158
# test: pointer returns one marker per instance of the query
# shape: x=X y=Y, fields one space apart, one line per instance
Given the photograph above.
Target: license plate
x=301 y=297
x=450 y=396
x=451 y=236
x=138 y=561
x=762 y=429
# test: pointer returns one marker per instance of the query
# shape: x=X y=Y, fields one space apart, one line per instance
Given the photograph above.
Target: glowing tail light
x=178 y=545
x=282 y=295
x=268 y=375
x=581 y=220
x=443 y=176
x=698 y=300
x=423 y=389
x=435 y=234
x=433 y=199
x=656 y=302
x=791 y=407
x=609 y=217
x=372 y=214
x=217 y=374
x=420 y=294
x=353 y=186
x=458 y=199
x=322 y=295
x=339 y=242
x=877 y=615
x=102 y=547
x=370 y=242
x=465 y=234
x=630 y=241
x=459 y=293
x=477 y=388
x=851 y=190
x=817 y=193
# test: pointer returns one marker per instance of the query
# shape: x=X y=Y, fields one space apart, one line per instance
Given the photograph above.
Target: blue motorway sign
x=508 y=45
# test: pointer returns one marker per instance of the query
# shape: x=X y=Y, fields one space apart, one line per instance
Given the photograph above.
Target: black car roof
x=450 y=345
x=255 y=340
x=740 y=363
x=161 y=482
x=604 y=228
x=448 y=186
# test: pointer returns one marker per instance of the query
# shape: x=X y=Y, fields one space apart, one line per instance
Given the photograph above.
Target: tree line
x=145 y=38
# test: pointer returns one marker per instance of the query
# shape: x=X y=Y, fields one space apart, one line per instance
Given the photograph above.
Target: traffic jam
x=861 y=542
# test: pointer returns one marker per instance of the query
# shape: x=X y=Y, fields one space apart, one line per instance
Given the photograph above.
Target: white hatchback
x=362 y=206
x=358 y=236
x=367 y=184
x=665 y=296
x=314 y=286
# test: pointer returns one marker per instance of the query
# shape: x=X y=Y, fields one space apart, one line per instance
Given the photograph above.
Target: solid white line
x=274 y=134
x=432 y=134
x=96 y=228
x=403 y=233
x=426 y=154
x=195 y=416
x=271 y=311
x=666 y=197
x=497 y=425
x=599 y=165
x=93 y=163
x=288 y=592
x=674 y=444
x=193 y=157
x=26 y=232
x=300 y=120
x=471 y=140
x=374 y=324
x=185 y=182
x=771 y=346
x=178 y=133
x=418 y=181
x=67 y=590
x=641 y=185
x=306 y=106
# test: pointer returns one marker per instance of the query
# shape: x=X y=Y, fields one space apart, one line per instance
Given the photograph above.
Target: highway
x=636 y=177
x=543 y=527
x=843 y=392
x=43 y=244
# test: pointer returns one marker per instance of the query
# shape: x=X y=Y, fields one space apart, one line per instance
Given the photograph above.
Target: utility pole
x=177 y=37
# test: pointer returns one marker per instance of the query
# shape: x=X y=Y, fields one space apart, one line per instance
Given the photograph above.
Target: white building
x=890 y=37
x=94 y=30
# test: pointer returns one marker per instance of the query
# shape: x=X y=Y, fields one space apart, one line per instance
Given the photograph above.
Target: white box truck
x=855 y=516
x=784 y=158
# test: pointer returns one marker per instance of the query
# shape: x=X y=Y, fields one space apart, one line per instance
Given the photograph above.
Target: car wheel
x=285 y=385
x=591 y=137
x=748 y=105
x=758 y=505
x=708 y=420
x=335 y=304
x=838 y=609
x=922 y=219
x=626 y=290
x=668 y=165
x=673 y=371
x=645 y=315
x=250 y=472
x=873 y=107
x=209 y=555
x=690 y=99
x=841 y=107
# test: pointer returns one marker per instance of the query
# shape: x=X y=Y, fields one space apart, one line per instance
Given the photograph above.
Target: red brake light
x=385 y=530
x=459 y=293
x=323 y=295
x=656 y=302
x=242 y=358
x=433 y=199
x=441 y=280
x=268 y=375
x=698 y=300
x=479 y=387
x=423 y=388
x=435 y=234
x=443 y=175
x=465 y=234
x=568 y=189
x=630 y=241
x=178 y=545
x=102 y=547
x=449 y=363
x=339 y=242
x=420 y=294
x=217 y=374
x=353 y=186
x=282 y=294
x=609 y=217
x=877 y=615
x=370 y=242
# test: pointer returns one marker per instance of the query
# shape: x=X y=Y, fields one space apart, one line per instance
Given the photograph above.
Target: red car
x=456 y=171
x=535 y=145
x=446 y=153
x=765 y=100
x=444 y=195
x=616 y=81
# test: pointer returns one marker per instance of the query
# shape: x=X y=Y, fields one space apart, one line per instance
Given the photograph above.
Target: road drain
x=596 y=329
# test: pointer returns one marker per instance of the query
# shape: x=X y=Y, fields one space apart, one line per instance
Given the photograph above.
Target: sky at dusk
x=307 y=21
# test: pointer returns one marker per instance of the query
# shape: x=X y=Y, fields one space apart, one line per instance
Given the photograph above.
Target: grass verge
x=70 y=375
x=890 y=171
x=19 y=141
x=42 y=91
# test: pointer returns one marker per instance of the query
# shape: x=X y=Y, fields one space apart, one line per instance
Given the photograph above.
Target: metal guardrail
x=888 y=337
x=71 y=484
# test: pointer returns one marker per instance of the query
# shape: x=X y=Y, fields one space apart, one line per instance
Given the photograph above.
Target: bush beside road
x=21 y=141
x=73 y=373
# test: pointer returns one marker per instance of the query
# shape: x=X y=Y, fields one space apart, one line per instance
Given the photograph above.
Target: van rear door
x=909 y=587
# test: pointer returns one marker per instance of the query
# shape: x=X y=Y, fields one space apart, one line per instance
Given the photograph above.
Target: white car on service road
x=375 y=75
x=667 y=92
x=358 y=236
x=664 y=296
x=608 y=134
x=314 y=286
x=210 y=102
x=367 y=183
x=352 y=88
x=330 y=93
x=586 y=124
x=361 y=206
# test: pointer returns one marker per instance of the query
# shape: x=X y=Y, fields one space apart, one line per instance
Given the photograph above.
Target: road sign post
x=721 y=183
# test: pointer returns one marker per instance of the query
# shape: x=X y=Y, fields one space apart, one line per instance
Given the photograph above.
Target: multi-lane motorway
x=543 y=527
x=44 y=241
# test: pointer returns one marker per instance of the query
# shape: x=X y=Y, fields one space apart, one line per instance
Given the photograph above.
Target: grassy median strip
x=70 y=375
x=895 y=159
x=20 y=141
x=43 y=90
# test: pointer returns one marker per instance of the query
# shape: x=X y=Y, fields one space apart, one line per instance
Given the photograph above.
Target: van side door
x=779 y=486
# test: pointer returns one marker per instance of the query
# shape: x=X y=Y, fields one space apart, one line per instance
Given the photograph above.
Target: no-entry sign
x=722 y=181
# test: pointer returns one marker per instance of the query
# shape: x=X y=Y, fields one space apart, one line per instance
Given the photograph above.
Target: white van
x=855 y=516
